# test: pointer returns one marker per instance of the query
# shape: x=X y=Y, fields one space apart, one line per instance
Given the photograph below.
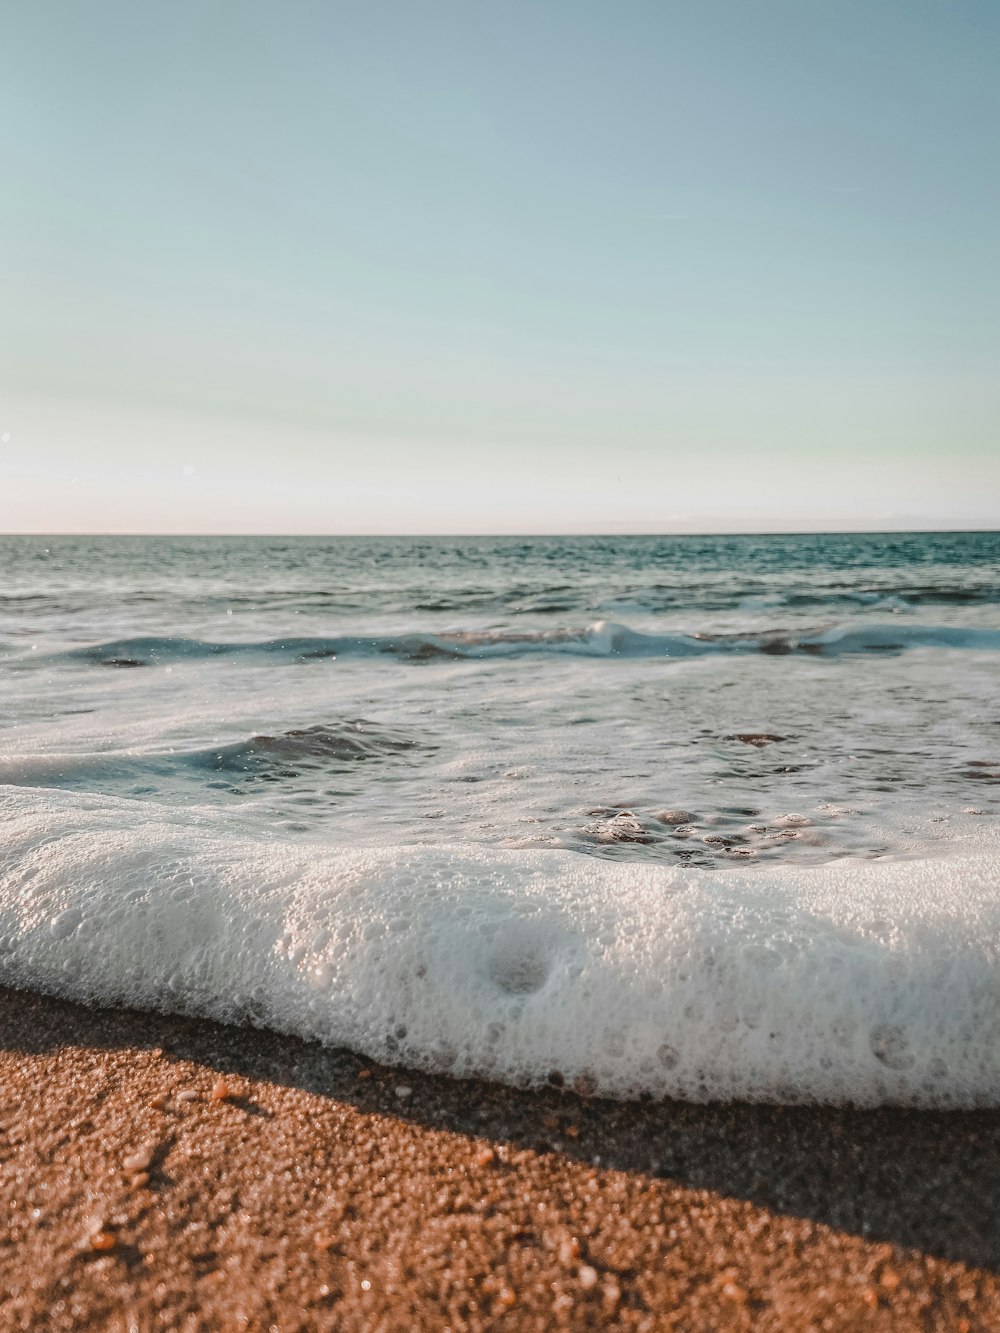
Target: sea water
x=696 y=816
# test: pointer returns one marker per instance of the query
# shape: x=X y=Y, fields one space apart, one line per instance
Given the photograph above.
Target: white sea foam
x=860 y=981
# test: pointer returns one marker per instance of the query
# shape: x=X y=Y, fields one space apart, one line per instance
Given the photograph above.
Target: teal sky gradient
x=464 y=267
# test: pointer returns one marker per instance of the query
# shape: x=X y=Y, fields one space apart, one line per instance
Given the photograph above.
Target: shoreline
x=159 y=1172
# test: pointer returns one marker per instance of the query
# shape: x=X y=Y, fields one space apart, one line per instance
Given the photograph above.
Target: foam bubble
x=856 y=981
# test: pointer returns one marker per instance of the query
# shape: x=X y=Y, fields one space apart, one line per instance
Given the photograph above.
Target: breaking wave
x=602 y=639
x=853 y=982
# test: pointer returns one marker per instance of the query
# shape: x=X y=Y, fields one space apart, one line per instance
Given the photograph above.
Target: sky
x=458 y=266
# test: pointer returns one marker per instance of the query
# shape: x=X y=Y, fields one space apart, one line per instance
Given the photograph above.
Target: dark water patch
x=715 y=839
x=148 y=650
x=322 y=746
x=417 y=649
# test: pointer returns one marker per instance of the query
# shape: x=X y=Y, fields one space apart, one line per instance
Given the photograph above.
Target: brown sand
x=309 y=1196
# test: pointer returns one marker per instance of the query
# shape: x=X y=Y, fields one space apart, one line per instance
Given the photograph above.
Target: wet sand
x=159 y=1173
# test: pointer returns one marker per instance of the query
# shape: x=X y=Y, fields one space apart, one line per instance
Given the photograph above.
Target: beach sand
x=161 y=1173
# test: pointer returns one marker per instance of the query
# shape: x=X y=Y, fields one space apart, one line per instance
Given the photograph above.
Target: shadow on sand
x=926 y=1181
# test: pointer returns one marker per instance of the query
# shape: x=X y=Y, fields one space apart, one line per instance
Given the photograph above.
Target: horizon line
x=652 y=532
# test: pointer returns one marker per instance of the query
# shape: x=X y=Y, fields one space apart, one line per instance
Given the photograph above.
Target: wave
x=602 y=639
x=341 y=743
x=867 y=983
x=235 y=766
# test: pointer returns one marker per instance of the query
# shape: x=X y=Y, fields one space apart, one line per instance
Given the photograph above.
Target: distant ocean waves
x=602 y=639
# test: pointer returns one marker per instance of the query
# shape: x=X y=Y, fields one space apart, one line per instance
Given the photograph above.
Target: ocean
x=693 y=816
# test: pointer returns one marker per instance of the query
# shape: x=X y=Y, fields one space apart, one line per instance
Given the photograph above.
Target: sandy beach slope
x=159 y=1173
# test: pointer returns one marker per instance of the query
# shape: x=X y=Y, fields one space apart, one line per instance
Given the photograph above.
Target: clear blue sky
x=472 y=266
